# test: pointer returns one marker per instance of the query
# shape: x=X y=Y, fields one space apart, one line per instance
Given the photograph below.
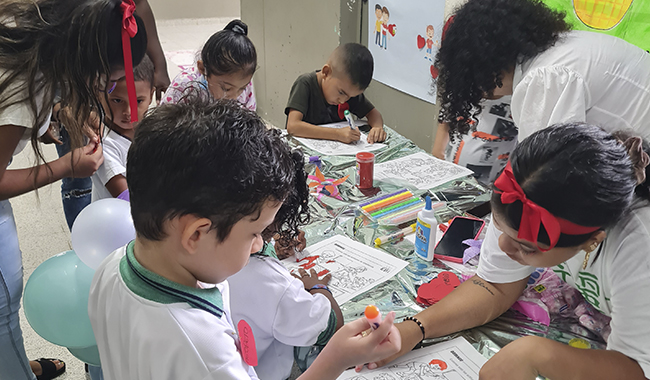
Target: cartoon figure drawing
x=387 y=30
x=379 y=15
x=428 y=42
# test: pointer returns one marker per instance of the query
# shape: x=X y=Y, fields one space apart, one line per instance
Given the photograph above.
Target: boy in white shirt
x=109 y=181
x=200 y=199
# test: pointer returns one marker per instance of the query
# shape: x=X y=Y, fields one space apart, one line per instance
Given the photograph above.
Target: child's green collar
x=156 y=288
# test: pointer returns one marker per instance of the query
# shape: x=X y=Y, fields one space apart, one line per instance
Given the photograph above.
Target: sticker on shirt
x=247 y=341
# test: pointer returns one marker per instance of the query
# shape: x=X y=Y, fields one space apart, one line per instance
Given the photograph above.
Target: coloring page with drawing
x=336 y=148
x=355 y=267
x=455 y=359
x=421 y=170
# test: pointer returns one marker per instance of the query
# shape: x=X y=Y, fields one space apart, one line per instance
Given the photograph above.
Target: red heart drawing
x=437 y=289
x=434 y=71
x=421 y=42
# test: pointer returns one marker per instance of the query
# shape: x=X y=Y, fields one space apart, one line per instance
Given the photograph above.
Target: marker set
x=394 y=208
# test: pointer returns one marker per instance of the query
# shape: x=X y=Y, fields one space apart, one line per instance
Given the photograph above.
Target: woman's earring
x=591 y=248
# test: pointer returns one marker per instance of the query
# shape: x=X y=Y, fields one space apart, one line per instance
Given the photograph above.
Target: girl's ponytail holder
x=238 y=29
x=129 y=30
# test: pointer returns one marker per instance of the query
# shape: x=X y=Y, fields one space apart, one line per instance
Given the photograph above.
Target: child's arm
x=116 y=185
x=310 y=279
x=348 y=347
x=376 y=122
x=299 y=128
x=441 y=141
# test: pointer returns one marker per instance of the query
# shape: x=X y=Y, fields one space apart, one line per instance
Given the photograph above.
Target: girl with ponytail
x=225 y=68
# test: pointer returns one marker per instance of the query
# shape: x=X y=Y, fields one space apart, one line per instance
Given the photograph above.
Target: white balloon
x=101 y=228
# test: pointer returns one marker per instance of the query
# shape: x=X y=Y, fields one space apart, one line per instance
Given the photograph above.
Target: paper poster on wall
x=403 y=37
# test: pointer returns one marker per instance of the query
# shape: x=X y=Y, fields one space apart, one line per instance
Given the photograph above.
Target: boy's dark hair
x=577 y=172
x=229 y=51
x=377 y=7
x=66 y=46
x=357 y=63
x=486 y=38
x=144 y=72
x=215 y=160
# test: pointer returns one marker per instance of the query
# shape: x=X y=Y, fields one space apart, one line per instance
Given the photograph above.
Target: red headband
x=129 y=30
x=533 y=214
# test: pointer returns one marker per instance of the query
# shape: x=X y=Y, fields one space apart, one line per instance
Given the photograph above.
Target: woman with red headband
x=574 y=198
x=75 y=48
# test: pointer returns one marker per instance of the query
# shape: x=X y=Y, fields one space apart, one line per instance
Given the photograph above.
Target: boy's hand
x=347 y=135
x=283 y=251
x=309 y=279
x=377 y=134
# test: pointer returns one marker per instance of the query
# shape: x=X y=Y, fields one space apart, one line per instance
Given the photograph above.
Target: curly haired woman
x=522 y=48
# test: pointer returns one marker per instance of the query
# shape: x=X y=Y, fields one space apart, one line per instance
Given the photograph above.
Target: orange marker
x=373 y=316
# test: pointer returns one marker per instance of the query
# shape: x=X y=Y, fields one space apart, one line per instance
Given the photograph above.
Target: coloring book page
x=337 y=148
x=452 y=360
x=355 y=267
x=421 y=170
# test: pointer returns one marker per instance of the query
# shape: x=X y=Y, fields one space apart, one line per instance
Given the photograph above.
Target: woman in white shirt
x=70 y=46
x=522 y=48
x=566 y=200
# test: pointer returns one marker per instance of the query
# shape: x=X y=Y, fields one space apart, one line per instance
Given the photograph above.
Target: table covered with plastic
x=330 y=216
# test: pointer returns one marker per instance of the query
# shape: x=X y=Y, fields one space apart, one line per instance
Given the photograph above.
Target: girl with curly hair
x=573 y=198
x=297 y=308
x=70 y=47
x=523 y=48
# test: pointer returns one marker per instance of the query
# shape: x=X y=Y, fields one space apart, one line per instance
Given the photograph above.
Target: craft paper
x=336 y=148
x=355 y=267
x=455 y=359
x=404 y=37
x=421 y=170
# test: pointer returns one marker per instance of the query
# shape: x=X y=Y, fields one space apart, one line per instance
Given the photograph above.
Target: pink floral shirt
x=193 y=78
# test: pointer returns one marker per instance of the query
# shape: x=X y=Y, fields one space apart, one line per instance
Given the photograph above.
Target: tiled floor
x=42 y=230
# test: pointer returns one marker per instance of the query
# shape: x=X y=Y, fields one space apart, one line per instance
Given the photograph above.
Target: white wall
x=176 y=9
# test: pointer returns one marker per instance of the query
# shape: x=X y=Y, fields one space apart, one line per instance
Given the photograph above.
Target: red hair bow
x=534 y=215
x=129 y=30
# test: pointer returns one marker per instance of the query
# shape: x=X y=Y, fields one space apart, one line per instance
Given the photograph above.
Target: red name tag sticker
x=247 y=341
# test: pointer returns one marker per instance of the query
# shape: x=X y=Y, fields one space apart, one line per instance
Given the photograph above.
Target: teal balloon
x=56 y=301
x=89 y=355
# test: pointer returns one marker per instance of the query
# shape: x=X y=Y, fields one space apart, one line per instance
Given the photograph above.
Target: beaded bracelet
x=319 y=286
x=419 y=324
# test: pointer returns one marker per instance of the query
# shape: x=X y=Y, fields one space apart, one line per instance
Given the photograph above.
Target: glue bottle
x=425 y=232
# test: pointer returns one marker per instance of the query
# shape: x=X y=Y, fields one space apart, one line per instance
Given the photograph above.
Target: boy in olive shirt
x=322 y=96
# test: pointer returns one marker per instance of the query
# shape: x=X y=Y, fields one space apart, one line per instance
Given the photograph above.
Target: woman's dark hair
x=67 y=46
x=213 y=159
x=486 y=38
x=230 y=51
x=577 y=172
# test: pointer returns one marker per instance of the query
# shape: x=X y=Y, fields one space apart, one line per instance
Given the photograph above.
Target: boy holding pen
x=322 y=97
